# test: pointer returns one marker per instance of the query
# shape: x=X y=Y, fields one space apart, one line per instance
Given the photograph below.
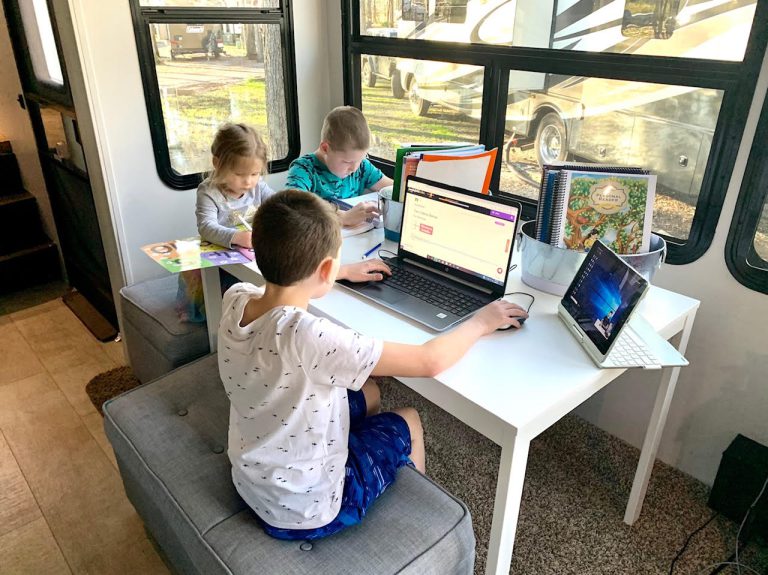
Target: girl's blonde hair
x=232 y=143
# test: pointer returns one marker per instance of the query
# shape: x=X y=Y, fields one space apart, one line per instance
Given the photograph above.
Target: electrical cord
x=733 y=560
x=743 y=521
x=687 y=541
x=736 y=563
x=725 y=564
x=533 y=298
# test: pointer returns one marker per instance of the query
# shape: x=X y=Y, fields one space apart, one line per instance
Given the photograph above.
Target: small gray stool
x=156 y=341
x=170 y=439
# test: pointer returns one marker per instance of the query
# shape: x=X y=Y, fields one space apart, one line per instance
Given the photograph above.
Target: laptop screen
x=459 y=230
x=602 y=295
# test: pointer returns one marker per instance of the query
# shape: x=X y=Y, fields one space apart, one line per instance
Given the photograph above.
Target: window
x=746 y=251
x=41 y=42
x=207 y=62
x=664 y=84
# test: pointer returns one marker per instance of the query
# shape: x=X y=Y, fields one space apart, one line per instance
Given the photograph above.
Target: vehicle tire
x=369 y=78
x=419 y=105
x=397 y=86
x=551 y=140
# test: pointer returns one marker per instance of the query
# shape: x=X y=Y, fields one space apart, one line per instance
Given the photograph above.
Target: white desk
x=511 y=385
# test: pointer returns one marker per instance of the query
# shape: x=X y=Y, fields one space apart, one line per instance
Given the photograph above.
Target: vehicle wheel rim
x=414 y=96
x=551 y=144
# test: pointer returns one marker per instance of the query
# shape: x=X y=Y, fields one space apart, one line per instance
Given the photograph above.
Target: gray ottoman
x=170 y=440
x=155 y=339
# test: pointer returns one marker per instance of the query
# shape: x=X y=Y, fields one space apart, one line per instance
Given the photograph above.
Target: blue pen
x=343 y=206
x=370 y=251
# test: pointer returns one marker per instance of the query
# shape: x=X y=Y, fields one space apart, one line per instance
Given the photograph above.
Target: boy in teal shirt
x=339 y=168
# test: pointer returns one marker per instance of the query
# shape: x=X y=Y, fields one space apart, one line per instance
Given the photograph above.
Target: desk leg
x=212 y=294
x=506 y=507
x=654 y=431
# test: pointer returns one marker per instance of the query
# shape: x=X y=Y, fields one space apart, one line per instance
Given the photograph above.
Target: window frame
x=143 y=16
x=737 y=80
x=34 y=87
x=743 y=261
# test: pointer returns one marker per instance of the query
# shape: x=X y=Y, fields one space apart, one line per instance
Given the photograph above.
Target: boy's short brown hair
x=293 y=231
x=346 y=129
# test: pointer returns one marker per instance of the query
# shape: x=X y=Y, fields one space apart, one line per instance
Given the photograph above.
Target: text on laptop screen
x=470 y=234
x=603 y=295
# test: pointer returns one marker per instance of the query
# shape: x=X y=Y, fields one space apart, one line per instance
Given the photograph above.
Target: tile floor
x=62 y=504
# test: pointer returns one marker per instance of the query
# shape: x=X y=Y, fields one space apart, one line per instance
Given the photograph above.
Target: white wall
x=144 y=209
x=725 y=389
x=16 y=127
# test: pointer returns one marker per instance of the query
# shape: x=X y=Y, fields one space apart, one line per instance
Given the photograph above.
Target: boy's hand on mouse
x=364 y=271
x=497 y=314
x=242 y=239
x=359 y=213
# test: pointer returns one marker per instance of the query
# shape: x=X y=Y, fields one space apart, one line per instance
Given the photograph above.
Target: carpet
x=110 y=384
x=576 y=487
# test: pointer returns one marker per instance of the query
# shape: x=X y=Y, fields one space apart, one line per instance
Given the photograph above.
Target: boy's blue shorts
x=378 y=446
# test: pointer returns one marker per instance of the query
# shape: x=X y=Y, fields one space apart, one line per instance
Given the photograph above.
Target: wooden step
x=29 y=266
x=20 y=223
x=10 y=176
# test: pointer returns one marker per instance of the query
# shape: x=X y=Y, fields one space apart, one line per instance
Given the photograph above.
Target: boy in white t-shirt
x=309 y=451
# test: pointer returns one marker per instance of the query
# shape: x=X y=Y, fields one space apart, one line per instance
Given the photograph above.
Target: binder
x=398 y=180
x=469 y=171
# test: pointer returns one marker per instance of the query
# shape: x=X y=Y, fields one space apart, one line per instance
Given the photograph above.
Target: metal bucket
x=551 y=269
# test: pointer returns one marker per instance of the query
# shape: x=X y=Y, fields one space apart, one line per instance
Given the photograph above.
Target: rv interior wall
x=721 y=394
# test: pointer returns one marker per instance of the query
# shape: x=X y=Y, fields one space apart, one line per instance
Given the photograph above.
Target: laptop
x=453 y=256
x=599 y=309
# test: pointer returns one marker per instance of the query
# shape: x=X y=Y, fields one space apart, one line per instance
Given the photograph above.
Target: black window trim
x=32 y=85
x=737 y=80
x=144 y=15
x=743 y=261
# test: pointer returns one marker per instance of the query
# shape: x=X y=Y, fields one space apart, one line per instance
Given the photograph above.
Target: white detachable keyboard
x=628 y=351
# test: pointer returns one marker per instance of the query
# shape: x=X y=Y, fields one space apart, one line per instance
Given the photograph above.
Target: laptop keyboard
x=629 y=350
x=438 y=294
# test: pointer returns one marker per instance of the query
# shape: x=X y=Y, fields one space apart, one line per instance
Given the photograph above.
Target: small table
x=511 y=385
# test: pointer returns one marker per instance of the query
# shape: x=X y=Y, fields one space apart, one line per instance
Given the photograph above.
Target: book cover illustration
x=194 y=253
x=613 y=207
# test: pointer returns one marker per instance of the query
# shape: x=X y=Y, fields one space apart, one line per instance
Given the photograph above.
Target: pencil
x=242 y=219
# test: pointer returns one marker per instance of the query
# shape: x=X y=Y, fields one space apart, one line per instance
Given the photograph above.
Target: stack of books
x=582 y=203
x=467 y=166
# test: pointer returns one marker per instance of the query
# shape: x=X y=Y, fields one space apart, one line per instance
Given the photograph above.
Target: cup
x=391 y=214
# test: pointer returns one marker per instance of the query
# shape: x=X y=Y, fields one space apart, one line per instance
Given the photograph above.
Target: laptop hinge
x=447 y=276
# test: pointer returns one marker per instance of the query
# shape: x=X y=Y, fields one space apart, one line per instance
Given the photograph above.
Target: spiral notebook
x=581 y=203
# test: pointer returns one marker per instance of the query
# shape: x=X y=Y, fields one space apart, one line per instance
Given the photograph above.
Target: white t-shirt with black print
x=286 y=375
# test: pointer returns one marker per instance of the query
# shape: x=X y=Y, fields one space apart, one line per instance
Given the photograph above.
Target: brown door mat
x=96 y=323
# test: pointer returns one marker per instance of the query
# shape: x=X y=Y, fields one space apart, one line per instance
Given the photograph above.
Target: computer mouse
x=520 y=320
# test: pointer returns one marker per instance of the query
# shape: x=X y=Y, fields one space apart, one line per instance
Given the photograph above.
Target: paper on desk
x=360 y=228
x=363 y=226
x=194 y=253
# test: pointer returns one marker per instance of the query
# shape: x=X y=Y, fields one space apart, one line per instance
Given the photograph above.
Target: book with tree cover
x=614 y=207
